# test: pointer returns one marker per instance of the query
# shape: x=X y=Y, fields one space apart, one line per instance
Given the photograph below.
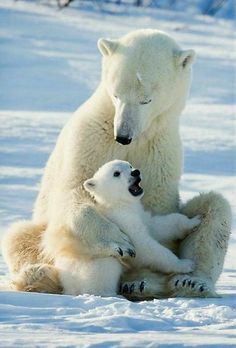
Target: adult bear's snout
x=123 y=140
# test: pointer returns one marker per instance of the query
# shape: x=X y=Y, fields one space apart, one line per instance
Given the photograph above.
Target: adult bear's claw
x=120 y=251
x=131 y=253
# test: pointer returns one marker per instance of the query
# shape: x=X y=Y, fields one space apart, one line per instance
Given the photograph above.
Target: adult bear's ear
x=185 y=58
x=107 y=47
x=89 y=185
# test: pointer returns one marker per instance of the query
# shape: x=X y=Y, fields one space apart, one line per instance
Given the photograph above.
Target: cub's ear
x=185 y=58
x=107 y=47
x=89 y=185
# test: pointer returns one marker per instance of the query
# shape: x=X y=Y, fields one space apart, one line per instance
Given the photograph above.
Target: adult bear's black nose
x=135 y=172
x=123 y=140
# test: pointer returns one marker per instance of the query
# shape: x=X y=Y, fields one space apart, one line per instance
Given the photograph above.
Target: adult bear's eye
x=145 y=102
x=116 y=174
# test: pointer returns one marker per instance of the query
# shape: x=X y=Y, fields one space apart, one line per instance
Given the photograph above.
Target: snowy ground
x=49 y=65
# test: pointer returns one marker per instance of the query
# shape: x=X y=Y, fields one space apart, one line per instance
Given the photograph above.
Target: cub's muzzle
x=135 y=189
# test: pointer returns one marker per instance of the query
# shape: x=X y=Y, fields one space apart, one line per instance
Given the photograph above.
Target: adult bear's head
x=146 y=74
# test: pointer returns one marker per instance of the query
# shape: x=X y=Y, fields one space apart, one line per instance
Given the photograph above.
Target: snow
x=110 y=322
x=49 y=65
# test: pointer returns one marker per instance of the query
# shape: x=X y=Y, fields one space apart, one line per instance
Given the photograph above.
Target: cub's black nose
x=123 y=140
x=135 y=172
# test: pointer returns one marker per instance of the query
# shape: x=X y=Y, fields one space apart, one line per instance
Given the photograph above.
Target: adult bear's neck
x=104 y=102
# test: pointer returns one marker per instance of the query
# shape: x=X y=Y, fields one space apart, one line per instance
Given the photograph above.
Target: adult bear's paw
x=135 y=289
x=99 y=237
x=38 y=278
x=122 y=250
x=187 y=285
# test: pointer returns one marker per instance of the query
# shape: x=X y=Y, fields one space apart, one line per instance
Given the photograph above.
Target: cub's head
x=146 y=74
x=115 y=182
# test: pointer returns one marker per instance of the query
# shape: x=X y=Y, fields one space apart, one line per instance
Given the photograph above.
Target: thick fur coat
x=133 y=115
x=117 y=193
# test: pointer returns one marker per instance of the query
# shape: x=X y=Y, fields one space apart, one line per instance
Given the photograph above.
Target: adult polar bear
x=145 y=82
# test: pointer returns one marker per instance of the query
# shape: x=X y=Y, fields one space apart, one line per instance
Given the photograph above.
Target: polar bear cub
x=117 y=193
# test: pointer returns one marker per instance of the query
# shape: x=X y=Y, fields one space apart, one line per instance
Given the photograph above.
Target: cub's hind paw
x=185 y=266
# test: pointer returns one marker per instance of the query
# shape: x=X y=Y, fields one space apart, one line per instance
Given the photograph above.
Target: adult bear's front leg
x=206 y=246
x=86 y=233
x=100 y=236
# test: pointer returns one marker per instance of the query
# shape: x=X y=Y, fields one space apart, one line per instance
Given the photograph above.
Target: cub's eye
x=116 y=174
x=145 y=102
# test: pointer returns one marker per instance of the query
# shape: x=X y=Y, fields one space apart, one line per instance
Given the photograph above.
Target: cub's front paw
x=185 y=266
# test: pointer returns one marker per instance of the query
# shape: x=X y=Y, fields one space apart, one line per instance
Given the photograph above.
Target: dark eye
x=116 y=174
x=145 y=102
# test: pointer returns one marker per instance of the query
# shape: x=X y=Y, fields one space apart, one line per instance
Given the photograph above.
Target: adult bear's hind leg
x=21 y=245
x=38 y=278
x=29 y=269
x=206 y=246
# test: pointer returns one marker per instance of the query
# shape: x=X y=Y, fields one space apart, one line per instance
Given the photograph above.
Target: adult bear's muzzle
x=123 y=140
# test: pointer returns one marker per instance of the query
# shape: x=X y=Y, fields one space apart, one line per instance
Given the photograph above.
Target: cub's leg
x=207 y=246
x=153 y=255
x=168 y=228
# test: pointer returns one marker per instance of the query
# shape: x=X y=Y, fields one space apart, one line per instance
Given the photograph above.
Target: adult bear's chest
x=158 y=159
x=160 y=165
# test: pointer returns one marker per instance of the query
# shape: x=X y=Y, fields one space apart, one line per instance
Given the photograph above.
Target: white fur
x=125 y=210
x=100 y=276
x=123 y=106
